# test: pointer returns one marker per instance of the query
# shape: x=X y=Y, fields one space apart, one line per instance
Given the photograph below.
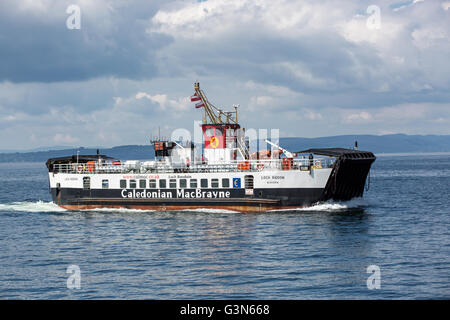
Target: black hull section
x=262 y=199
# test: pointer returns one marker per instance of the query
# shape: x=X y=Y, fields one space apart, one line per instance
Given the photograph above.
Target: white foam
x=42 y=206
x=37 y=206
x=330 y=206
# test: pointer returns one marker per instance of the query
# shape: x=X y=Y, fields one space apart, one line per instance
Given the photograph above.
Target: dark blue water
x=323 y=252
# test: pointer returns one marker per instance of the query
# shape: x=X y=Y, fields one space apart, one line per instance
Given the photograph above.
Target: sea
x=394 y=243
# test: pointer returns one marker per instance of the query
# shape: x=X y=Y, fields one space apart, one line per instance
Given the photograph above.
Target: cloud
x=38 y=47
x=310 y=68
x=310 y=46
x=358 y=116
x=131 y=119
x=64 y=138
x=411 y=118
x=165 y=103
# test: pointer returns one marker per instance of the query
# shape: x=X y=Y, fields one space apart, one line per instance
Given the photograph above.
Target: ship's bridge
x=223 y=142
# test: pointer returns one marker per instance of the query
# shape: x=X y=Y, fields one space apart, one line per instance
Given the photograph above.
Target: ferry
x=219 y=173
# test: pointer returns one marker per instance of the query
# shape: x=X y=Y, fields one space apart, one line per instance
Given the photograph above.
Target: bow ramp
x=349 y=174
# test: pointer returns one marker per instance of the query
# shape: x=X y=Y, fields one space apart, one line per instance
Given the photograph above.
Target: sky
x=120 y=69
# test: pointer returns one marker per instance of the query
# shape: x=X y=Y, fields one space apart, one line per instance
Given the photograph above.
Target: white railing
x=164 y=167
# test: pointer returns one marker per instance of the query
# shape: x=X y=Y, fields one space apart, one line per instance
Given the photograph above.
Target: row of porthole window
x=173 y=183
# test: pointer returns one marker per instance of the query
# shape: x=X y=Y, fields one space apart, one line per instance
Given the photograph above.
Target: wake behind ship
x=226 y=175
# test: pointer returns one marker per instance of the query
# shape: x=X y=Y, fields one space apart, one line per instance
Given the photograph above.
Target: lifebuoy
x=260 y=166
x=214 y=142
x=80 y=168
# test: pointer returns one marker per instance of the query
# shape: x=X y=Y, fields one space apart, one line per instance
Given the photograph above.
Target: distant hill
x=393 y=143
x=396 y=143
x=37 y=149
x=121 y=152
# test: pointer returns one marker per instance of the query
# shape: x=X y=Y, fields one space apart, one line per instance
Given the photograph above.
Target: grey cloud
x=321 y=61
x=37 y=47
x=61 y=85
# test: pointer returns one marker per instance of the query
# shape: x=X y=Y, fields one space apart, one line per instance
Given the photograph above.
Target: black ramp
x=349 y=174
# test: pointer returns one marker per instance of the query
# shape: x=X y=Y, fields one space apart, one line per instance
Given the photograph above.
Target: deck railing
x=163 y=167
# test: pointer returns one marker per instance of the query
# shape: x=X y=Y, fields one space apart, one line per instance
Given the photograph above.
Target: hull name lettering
x=179 y=194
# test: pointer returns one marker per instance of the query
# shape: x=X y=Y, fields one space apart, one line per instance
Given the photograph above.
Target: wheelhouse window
x=209 y=132
x=214 y=183
x=142 y=184
x=183 y=183
x=132 y=184
x=123 y=184
x=193 y=183
x=105 y=184
x=162 y=183
x=225 y=183
x=204 y=183
x=173 y=183
x=152 y=183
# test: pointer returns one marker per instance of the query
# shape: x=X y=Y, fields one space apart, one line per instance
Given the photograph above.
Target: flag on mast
x=199 y=105
x=195 y=97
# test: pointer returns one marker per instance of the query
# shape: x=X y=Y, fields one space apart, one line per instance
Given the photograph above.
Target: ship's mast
x=213 y=115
